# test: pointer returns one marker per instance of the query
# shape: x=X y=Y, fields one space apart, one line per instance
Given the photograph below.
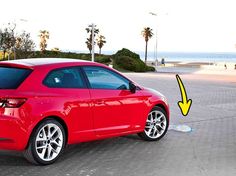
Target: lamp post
x=92 y=26
x=155 y=49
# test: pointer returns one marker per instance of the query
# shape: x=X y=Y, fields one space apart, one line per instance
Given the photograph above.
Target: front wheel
x=156 y=125
x=47 y=142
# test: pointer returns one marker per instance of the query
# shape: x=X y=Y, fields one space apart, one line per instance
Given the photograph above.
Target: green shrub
x=84 y=56
x=128 y=63
x=150 y=68
x=127 y=60
x=103 y=59
x=126 y=52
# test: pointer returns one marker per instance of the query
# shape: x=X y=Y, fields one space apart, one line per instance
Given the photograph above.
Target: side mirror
x=132 y=87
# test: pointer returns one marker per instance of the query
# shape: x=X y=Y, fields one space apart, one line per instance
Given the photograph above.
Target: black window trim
x=85 y=84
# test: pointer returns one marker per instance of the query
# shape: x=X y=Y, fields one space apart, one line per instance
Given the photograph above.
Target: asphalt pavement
x=208 y=150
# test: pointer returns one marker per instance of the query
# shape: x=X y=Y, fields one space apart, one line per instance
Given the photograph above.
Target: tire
x=156 y=125
x=47 y=143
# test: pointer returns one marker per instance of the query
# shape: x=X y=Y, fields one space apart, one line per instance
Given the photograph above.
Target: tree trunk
x=14 y=54
x=4 y=53
x=146 y=53
x=100 y=50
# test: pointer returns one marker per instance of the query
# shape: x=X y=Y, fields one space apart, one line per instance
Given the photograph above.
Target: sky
x=180 y=25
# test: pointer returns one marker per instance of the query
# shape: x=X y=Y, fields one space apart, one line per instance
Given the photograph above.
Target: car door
x=113 y=104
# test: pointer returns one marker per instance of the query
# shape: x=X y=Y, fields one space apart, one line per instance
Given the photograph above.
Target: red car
x=46 y=104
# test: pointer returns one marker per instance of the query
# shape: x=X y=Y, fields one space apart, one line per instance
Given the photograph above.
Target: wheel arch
x=58 y=119
x=161 y=106
x=165 y=108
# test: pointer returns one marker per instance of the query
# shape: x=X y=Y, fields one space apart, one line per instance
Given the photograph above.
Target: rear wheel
x=46 y=143
x=156 y=125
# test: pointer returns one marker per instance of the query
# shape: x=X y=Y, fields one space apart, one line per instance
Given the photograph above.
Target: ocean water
x=183 y=56
x=191 y=57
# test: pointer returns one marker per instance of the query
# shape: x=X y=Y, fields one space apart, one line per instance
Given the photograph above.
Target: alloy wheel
x=49 y=142
x=156 y=124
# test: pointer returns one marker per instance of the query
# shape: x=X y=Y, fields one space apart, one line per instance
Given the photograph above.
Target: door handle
x=99 y=102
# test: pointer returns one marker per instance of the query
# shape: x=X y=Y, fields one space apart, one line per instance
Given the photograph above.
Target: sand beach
x=208 y=68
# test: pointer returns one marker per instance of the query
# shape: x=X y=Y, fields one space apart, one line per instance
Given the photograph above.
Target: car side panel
x=151 y=101
x=74 y=107
x=109 y=112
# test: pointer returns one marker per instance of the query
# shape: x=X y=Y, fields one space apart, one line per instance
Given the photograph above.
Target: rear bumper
x=13 y=135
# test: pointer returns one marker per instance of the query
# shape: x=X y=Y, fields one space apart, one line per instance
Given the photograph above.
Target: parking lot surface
x=209 y=149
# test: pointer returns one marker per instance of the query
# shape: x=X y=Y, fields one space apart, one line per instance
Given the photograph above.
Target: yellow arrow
x=185 y=104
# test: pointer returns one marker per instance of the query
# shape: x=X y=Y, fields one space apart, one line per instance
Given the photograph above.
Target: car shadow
x=12 y=158
x=134 y=137
x=90 y=148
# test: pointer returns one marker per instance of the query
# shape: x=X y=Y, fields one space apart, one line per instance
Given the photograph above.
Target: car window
x=102 y=78
x=64 y=78
x=12 y=77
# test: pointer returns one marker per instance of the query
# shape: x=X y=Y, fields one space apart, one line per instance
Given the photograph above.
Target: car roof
x=43 y=61
x=34 y=62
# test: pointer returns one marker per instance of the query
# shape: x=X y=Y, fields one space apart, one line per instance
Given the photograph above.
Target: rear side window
x=11 y=77
x=69 y=77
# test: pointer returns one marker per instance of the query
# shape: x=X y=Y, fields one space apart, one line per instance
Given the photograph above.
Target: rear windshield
x=11 y=77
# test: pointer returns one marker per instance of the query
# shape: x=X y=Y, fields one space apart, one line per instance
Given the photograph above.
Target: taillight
x=12 y=102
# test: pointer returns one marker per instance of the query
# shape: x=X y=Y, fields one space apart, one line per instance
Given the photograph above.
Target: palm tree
x=89 y=40
x=147 y=34
x=44 y=36
x=89 y=44
x=100 y=42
